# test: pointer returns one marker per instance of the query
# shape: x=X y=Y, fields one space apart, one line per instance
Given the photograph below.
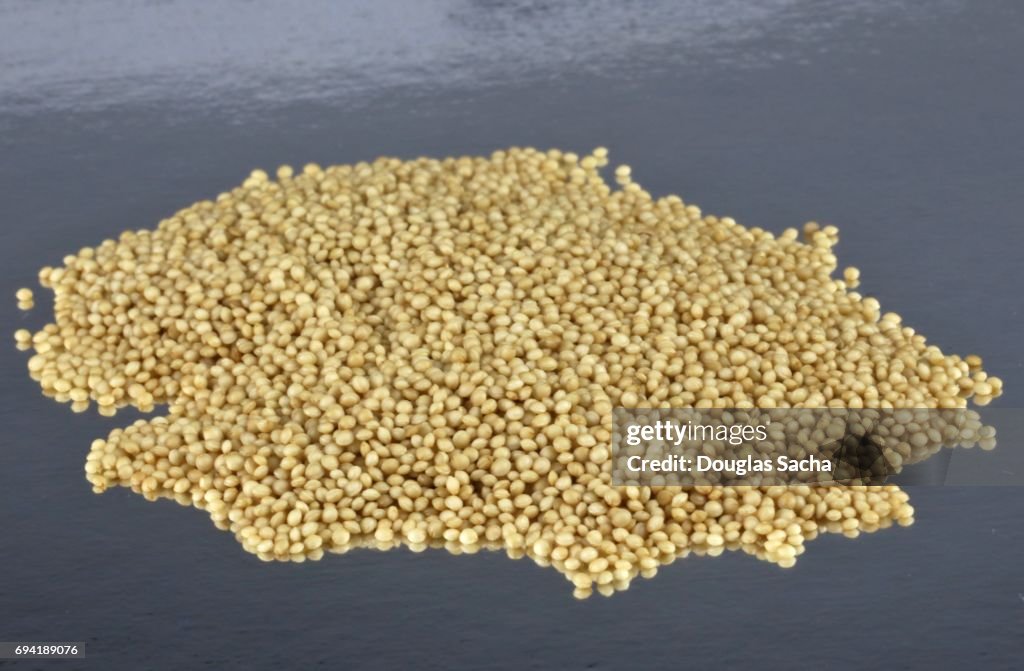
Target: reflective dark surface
x=899 y=122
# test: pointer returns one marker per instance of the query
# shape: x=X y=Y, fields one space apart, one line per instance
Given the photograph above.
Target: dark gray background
x=900 y=122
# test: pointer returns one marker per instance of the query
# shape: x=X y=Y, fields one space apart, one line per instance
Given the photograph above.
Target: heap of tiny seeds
x=428 y=352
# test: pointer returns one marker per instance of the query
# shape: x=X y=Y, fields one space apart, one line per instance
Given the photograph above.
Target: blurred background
x=899 y=122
